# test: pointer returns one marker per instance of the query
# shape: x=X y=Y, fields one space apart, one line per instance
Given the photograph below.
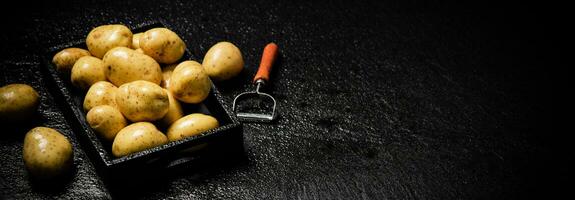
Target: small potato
x=167 y=74
x=189 y=83
x=124 y=65
x=136 y=40
x=103 y=38
x=163 y=45
x=87 y=71
x=142 y=101
x=175 y=111
x=223 y=61
x=137 y=137
x=190 y=125
x=47 y=153
x=101 y=93
x=106 y=120
x=18 y=102
x=65 y=59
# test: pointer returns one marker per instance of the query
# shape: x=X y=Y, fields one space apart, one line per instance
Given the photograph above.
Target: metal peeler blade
x=268 y=57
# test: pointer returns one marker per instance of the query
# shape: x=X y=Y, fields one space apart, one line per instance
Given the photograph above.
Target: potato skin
x=190 y=125
x=223 y=61
x=100 y=93
x=18 y=102
x=65 y=59
x=103 y=38
x=142 y=101
x=124 y=65
x=167 y=74
x=189 y=83
x=163 y=45
x=87 y=71
x=136 y=40
x=47 y=153
x=175 y=111
x=137 y=137
x=106 y=120
x=138 y=50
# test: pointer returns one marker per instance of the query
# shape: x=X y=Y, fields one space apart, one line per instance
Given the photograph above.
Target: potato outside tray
x=223 y=139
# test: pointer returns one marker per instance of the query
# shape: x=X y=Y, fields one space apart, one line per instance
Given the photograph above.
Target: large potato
x=223 y=61
x=18 y=102
x=190 y=125
x=106 y=120
x=65 y=59
x=142 y=101
x=136 y=40
x=47 y=153
x=137 y=137
x=87 y=71
x=124 y=65
x=167 y=74
x=163 y=45
x=101 y=93
x=103 y=38
x=189 y=83
x=175 y=111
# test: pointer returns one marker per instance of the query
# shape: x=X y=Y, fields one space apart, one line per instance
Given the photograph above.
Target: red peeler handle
x=268 y=57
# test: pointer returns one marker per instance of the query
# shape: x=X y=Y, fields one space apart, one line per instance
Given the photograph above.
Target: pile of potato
x=134 y=82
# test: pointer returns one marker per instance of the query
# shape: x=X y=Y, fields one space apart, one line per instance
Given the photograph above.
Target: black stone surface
x=377 y=100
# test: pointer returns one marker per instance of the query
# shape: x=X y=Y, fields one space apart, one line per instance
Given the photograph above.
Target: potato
x=189 y=83
x=106 y=120
x=142 y=101
x=136 y=40
x=47 y=153
x=163 y=45
x=103 y=38
x=101 y=93
x=167 y=74
x=124 y=65
x=190 y=125
x=65 y=59
x=18 y=102
x=87 y=71
x=223 y=61
x=137 y=137
x=139 y=50
x=175 y=111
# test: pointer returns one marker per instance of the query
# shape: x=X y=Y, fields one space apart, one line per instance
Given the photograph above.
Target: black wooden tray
x=222 y=139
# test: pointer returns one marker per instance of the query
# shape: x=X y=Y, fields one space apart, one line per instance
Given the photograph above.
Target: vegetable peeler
x=262 y=76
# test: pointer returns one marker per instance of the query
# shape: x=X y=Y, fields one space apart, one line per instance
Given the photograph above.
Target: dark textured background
x=398 y=100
